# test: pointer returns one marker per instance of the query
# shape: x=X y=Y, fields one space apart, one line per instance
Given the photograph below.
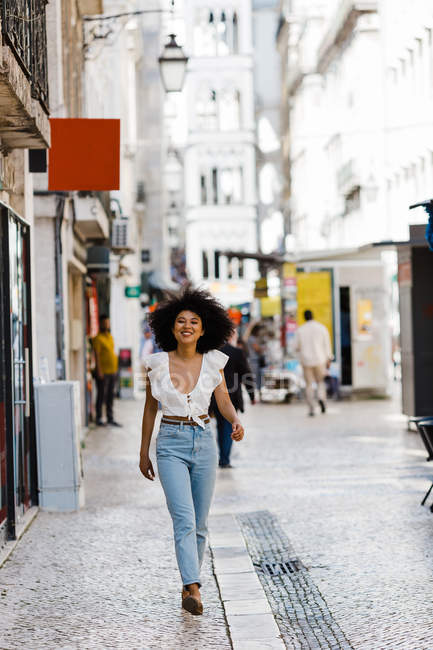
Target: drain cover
x=300 y=610
x=290 y=566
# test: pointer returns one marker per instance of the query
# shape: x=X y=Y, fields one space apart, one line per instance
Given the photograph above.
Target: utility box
x=58 y=428
x=415 y=273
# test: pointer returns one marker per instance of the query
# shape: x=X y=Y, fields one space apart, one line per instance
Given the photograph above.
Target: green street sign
x=132 y=292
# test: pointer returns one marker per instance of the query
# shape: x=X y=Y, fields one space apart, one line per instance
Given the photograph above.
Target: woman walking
x=189 y=328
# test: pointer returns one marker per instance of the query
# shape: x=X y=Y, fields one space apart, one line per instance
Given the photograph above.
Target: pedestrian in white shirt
x=313 y=348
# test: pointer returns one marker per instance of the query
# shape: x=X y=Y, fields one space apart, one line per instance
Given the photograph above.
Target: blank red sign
x=84 y=154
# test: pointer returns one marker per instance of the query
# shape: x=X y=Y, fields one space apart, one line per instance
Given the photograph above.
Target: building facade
x=358 y=77
x=219 y=161
x=267 y=98
x=67 y=224
x=24 y=105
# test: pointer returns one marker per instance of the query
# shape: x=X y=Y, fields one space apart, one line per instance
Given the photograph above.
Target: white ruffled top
x=192 y=404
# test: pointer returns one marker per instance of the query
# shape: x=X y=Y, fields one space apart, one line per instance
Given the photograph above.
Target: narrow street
x=344 y=488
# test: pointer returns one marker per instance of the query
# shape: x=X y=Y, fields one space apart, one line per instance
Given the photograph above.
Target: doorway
x=17 y=432
x=345 y=337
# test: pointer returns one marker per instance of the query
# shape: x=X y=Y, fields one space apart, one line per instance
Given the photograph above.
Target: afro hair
x=216 y=324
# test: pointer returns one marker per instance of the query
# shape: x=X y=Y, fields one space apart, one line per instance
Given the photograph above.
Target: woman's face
x=188 y=327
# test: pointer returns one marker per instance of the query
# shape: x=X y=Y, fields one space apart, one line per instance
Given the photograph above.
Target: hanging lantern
x=172 y=66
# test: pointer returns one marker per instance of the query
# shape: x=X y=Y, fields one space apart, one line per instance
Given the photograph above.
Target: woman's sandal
x=191 y=604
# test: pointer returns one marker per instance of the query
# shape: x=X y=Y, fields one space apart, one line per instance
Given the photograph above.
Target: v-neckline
x=196 y=383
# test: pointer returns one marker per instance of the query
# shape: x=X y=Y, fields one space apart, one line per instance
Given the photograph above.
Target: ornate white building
x=219 y=161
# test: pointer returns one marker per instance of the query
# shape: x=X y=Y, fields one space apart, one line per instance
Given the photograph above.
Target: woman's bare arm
x=227 y=409
x=149 y=415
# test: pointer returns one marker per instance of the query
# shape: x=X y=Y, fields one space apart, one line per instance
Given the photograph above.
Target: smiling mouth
x=186 y=333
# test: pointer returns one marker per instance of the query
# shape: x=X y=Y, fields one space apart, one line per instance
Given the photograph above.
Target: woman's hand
x=146 y=467
x=237 y=431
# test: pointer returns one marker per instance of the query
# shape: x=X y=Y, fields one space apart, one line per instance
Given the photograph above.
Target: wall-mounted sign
x=261 y=288
x=84 y=154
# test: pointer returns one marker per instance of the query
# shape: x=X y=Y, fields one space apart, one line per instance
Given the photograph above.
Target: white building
x=219 y=161
x=267 y=100
x=123 y=82
x=407 y=46
x=360 y=128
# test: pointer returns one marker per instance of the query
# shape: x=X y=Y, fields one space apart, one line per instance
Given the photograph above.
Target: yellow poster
x=289 y=270
x=270 y=306
x=315 y=293
x=365 y=317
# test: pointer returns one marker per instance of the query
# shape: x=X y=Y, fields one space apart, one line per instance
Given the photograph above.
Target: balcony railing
x=23 y=28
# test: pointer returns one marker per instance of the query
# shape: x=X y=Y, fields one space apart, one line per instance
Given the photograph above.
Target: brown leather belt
x=179 y=419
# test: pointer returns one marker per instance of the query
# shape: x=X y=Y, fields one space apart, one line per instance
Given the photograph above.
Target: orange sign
x=84 y=154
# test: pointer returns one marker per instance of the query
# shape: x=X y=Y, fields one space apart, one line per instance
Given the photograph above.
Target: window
x=216 y=32
x=221 y=186
x=216 y=265
x=231 y=185
x=203 y=190
x=230 y=268
x=215 y=185
x=205 y=42
x=241 y=268
x=205 y=264
x=352 y=200
x=218 y=109
x=230 y=110
x=207 y=109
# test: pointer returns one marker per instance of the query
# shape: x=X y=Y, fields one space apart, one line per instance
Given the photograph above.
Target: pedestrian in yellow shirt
x=106 y=370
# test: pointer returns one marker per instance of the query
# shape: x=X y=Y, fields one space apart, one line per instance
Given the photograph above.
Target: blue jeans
x=225 y=441
x=187 y=460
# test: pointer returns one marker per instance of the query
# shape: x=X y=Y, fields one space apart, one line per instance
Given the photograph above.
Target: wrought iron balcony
x=24 y=30
x=24 y=122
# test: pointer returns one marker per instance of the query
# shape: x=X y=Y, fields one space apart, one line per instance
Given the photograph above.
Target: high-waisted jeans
x=187 y=460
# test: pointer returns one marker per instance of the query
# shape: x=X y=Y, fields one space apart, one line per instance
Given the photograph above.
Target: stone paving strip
x=302 y=614
x=249 y=616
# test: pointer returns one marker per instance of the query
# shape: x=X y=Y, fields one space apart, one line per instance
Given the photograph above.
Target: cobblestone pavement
x=303 y=616
x=345 y=487
x=105 y=577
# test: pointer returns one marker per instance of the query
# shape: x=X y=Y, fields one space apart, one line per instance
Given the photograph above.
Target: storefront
x=350 y=293
x=18 y=474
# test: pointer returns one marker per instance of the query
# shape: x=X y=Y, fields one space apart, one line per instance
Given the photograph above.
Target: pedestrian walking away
x=105 y=371
x=256 y=356
x=236 y=372
x=313 y=348
x=189 y=327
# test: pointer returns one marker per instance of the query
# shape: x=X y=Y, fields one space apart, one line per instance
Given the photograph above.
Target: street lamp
x=172 y=66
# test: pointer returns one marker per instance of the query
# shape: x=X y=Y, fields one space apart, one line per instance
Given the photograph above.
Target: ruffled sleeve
x=215 y=361
x=157 y=367
x=154 y=361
